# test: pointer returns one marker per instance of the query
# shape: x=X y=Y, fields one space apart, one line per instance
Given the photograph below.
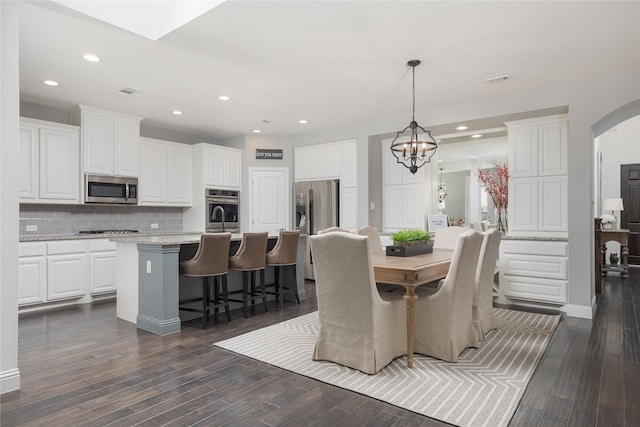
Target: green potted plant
x=613 y=259
x=410 y=242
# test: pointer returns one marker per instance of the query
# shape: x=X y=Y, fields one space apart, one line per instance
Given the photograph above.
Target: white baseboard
x=581 y=311
x=9 y=380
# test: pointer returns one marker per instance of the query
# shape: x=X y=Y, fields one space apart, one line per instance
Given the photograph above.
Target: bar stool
x=211 y=260
x=250 y=259
x=284 y=254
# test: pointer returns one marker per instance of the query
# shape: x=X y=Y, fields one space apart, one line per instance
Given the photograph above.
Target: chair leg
x=205 y=301
x=216 y=294
x=294 y=282
x=245 y=292
x=263 y=287
x=225 y=297
x=277 y=286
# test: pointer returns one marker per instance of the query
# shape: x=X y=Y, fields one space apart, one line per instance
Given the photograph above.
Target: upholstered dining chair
x=374 y=239
x=446 y=237
x=484 y=318
x=358 y=327
x=443 y=320
x=332 y=229
x=211 y=260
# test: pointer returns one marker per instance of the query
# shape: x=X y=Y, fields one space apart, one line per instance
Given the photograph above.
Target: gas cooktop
x=108 y=231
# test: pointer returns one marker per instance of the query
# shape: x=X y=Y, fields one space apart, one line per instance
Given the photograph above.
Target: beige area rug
x=482 y=389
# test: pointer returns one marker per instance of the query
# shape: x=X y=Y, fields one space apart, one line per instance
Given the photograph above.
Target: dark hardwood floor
x=82 y=366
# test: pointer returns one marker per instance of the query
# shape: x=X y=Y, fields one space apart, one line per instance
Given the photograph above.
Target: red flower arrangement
x=497 y=187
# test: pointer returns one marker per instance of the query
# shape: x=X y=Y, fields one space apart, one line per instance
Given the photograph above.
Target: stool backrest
x=252 y=253
x=285 y=252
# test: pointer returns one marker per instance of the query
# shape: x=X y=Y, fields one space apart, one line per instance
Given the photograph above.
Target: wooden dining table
x=411 y=272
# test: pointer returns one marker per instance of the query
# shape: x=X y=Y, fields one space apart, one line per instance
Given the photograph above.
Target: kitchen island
x=149 y=287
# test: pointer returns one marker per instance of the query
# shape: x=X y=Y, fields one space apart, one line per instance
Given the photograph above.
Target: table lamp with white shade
x=613 y=204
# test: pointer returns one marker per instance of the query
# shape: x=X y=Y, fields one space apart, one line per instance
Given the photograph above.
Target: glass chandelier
x=420 y=146
x=442 y=193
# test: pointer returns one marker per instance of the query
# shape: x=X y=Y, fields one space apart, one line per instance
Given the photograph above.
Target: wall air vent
x=497 y=79
x=127 y=91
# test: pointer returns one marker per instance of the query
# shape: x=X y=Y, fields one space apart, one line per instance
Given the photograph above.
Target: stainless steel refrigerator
x=317 y=206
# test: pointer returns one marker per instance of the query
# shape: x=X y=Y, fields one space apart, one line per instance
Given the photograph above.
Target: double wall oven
x=222 y=207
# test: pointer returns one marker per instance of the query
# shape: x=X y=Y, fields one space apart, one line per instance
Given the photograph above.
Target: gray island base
x=149 y=287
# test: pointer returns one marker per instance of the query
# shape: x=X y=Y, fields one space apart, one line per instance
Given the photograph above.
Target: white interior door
x=270 y=199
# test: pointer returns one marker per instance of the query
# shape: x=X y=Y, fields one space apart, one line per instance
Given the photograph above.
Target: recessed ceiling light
x=223 y=98
x=462 y=128
x=439 y=160
x=177 y=112
x=477 y=135
x=91 y=58
x=303 y=122
x=257 y=131
x=50 y=82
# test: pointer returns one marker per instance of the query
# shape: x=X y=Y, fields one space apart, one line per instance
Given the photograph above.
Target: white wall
x=9 y=184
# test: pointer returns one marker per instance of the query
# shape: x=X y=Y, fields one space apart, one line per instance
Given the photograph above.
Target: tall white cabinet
x=50 y=163
x=538 y=184
x=402 y=194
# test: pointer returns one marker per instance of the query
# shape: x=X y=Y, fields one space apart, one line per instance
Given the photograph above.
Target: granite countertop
x=533 y=238
x=45 y=238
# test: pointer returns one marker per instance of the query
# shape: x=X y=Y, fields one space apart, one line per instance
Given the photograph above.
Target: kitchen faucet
x=215 y=209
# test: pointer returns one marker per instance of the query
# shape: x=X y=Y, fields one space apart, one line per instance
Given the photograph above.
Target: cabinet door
x=553 y=204
x=126 y=147
x=102 y=272
x=153 y=173
x=328 y=161
x=349 y=208
x=97 y=143
x=28 y=162
x=32 y=280
x=523 y=204
x=391 y=169
x=213 y=167
x=552 y=149
x=392 y=219
x=348 y=164
x=523 y=151
x=305 y=163
x=59 y=165
x=179 y=179
x=232 y=170
x=412 y=210
x=66 y=276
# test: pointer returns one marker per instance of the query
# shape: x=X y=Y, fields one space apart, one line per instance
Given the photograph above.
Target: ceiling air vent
x=497 y=79
x=127 y=91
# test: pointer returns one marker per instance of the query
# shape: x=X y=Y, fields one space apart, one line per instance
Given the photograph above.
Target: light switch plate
x=149 y=267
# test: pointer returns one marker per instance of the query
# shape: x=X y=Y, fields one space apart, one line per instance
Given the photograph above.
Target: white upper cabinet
x=349 y=170
x=538 y=190
x=28 y=162
x=306 y=163
x=110 y=141
x=50 y=163
x=220 y=166
x=165 y=173
x=394 y=173
x=538 y=147
x=328 y=156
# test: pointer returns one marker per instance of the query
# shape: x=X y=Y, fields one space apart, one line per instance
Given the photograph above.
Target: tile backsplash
x=63 y=220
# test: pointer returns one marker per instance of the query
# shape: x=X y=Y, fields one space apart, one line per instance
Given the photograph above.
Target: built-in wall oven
x=223 y=210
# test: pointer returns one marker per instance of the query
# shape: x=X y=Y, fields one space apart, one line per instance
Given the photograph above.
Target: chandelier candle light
x=419 y=149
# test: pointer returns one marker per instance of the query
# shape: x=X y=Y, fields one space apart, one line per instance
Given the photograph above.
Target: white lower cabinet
x=402 y=207
x=534 y=270
x=349 y=208
x=32 y=273
x=65 y=270
x=102 y=266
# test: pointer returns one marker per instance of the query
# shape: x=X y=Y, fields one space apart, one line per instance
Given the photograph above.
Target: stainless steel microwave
x=111 y=189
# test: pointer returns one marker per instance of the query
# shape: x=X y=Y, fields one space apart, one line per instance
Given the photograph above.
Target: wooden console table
x=616 y=235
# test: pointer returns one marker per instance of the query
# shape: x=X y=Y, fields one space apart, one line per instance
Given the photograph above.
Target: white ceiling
x=333 y=63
